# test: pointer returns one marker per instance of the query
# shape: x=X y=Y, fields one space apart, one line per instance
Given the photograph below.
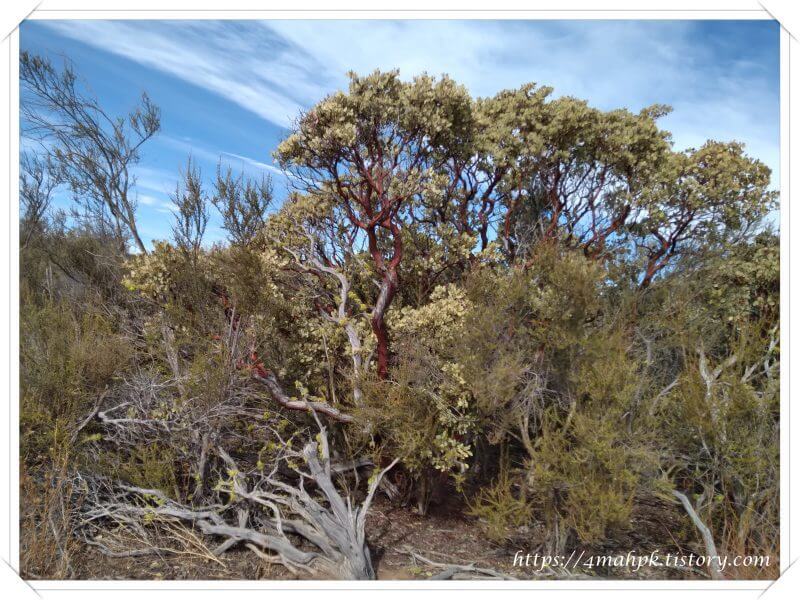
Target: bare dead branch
x=714 y=567
x=277 y=393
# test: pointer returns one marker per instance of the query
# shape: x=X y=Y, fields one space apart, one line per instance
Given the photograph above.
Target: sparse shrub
x=502 y=507
x=581 y=474
x=149 y=466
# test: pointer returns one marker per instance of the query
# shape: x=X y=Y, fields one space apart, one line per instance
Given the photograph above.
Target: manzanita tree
x=558 y=168
x=372 y=151
x=699 y=197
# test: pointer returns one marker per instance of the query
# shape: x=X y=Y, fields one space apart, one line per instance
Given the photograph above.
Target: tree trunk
x=138 y=241
x=388 y=290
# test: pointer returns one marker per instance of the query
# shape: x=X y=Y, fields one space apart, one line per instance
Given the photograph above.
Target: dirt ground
x=445 y=535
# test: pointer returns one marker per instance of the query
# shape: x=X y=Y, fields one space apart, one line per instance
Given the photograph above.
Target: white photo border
x=710 y=10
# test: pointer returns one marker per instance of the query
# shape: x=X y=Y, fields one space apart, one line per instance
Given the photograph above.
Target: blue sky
x=228 y=90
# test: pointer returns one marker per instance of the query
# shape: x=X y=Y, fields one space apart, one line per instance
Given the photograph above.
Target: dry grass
x=47 y=545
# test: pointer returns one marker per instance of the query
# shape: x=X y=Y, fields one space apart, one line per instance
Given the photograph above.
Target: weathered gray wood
x=332 y=526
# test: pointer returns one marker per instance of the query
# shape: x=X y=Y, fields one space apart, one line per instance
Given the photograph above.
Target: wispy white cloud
x=153 y=189
x=148 y=200
x=243 y=163
x=260 y=165
x=232 y=60
x=158 y=182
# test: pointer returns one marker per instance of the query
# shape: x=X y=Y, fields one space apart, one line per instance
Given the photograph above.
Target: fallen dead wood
x=450 y=571
x=714 y=567
x=310 y=528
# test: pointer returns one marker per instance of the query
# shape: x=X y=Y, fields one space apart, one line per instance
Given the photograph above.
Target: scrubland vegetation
x=537 y=307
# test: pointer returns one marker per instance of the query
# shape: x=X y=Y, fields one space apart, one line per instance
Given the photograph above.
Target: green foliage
x=168 y=276
x=583 y=473
x=419 y=418
x=67 y=359
x=500 y=509
x=524 y=323
x=149 y=466
x=430 y=111
x=702 y=196
x=745 y=281
x=243 y=204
